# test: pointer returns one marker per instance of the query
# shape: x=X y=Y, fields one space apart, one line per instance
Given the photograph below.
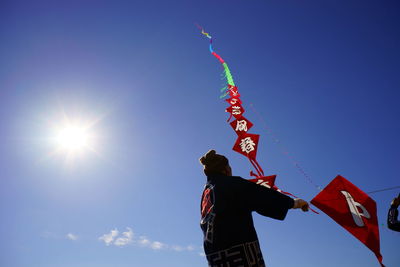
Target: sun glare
x=73 y=138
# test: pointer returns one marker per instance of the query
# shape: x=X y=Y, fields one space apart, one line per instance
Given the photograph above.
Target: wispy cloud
x=144 y=241
x=125 y=239
x=58 y=236
x=71 y=236
x=156 y=245
x=177 y=248
x=128 y=237
x=182 y=248
x=109 y=238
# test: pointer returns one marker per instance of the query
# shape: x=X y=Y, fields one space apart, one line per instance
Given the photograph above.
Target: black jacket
x=226 y=208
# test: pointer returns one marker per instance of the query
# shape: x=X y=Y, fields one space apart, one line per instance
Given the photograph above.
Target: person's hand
x=300 y=204
x=396 y=202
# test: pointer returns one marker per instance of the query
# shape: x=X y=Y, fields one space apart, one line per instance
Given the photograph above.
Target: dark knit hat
x=214 y=163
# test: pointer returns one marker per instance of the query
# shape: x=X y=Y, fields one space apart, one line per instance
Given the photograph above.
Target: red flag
x=353 y=209
x=235 y=110
x=234 y=100
x=241 y=125
x=233 y=91
x=247 y=145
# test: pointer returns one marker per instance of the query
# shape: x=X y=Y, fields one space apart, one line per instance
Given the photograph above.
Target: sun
x=72 y=138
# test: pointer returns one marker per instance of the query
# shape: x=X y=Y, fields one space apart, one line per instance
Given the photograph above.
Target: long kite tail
x=236 y=110
x=227 y=72
x=247 y=143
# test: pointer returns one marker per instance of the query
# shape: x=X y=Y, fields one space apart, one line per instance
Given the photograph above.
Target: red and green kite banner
x=246 y=143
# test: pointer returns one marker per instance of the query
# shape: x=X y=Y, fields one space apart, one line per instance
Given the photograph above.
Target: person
x=226 y=206
x=392 y=221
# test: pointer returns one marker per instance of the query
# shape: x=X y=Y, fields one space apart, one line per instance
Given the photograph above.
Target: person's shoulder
x=226 y=179
x=237 y=180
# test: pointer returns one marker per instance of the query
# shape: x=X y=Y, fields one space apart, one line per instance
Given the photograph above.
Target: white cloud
x=157 y=245
x=109 y=238
x=71 y=236
x=128 y=237
x=125 y=239
x=177 y=248
x=144 y=241
x=182 y=248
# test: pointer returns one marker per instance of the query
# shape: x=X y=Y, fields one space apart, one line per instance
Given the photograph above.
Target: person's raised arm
x=269 y=202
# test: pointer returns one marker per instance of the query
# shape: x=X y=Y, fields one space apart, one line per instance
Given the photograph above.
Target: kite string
x=284 y=151
x=384 y=189
x=295 y=162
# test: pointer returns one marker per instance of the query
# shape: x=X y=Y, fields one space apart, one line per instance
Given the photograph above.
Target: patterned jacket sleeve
x=392 y=221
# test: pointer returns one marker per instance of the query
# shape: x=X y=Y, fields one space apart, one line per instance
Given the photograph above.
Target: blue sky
x=323 y=77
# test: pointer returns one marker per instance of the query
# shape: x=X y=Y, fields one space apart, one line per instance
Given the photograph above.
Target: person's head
x=214 y=163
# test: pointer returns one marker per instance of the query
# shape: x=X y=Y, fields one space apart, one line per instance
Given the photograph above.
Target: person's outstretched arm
x=269 y=202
